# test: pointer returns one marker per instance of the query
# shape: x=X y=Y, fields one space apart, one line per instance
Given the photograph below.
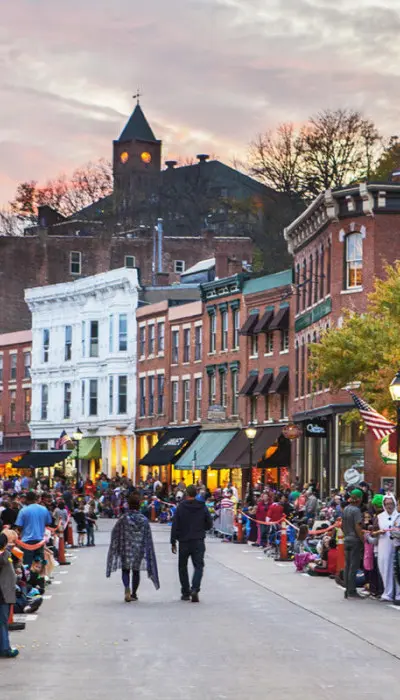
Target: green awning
x=207 y=447
x=89 y=448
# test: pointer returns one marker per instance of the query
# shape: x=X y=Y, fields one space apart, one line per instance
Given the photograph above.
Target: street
x=259 y=630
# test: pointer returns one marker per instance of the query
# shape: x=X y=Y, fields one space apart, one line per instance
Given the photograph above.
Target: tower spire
x=137 y=96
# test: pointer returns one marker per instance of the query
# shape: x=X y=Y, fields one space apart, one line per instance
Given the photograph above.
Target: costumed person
x=7 y=597
x=387 y=520
x=132 y=550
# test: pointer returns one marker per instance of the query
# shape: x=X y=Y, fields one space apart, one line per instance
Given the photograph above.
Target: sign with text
x=216 y=414
x=316 y=428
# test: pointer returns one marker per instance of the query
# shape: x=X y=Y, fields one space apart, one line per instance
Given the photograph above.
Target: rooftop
x=263 y=284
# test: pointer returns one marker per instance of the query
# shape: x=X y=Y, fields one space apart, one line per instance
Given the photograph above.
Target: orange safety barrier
x=30 y=547
x=14 y=626
x=283 y=554
x=239 y=522
x=153 y=513
x=61 y=550
x=340 y=561
x=70 y=534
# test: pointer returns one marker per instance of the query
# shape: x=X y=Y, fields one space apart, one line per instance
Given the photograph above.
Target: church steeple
x=137 y=127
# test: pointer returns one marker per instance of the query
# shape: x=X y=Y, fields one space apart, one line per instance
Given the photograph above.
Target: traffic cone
x=340 y=561
x=283 y=555
x=61 y=551
x=153 y=513
x=14 y=626
x=70 y=535
x=239 y=521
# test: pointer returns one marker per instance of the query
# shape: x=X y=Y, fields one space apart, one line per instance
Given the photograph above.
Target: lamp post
x=394 y=389
x=251 y=433
x=194 y=464
x=77 y=437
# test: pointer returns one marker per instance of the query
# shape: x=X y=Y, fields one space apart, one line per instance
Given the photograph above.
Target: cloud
x=214 y=73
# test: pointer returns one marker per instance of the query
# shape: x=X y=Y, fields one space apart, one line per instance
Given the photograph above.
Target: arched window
x=353 y=260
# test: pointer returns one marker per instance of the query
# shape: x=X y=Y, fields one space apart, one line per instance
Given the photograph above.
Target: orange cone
x=239 y=521
x=14 y=626
x=153 y=513
x=61 y=551
x=70 y=535
x=283 y=555
x=340 y=561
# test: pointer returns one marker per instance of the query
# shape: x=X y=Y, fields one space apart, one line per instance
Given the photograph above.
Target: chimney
x=234 y=266
x=221 y=265
x=171 y=164
x=162 y=279
x=202 y=157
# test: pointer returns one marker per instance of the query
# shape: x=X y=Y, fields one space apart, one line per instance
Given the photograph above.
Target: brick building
x=340 y=243
x=15 y=395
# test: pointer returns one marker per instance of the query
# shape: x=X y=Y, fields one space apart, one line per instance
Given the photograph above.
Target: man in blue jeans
x=32 y=521
x=189 y=526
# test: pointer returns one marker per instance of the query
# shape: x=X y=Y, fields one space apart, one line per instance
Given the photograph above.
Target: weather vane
x=137 y=96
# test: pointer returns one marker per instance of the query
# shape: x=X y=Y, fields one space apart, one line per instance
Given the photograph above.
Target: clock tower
x=136 y=166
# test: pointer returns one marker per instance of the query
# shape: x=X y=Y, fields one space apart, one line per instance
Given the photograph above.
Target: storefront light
x=251 y=432
x=394 y=388
x=77 y=435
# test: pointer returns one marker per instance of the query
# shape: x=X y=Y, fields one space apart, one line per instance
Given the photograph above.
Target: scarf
x=131 y=546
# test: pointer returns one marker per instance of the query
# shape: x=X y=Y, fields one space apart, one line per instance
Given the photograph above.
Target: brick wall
x=15 y=387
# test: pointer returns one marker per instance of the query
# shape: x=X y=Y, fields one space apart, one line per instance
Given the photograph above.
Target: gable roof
x=137 y=127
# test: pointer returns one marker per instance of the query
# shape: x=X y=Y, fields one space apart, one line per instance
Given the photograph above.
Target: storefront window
x=351 y=448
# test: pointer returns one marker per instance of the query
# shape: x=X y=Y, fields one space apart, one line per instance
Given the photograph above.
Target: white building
x=84 y=366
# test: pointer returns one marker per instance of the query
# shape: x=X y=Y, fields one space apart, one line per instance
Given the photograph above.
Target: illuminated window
x=146 y=157
x=354 y=260
x=124 y=157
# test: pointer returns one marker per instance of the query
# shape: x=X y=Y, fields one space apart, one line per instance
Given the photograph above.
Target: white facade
x=84 y=363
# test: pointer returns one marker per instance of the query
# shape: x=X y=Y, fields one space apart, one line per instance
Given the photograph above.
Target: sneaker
x=9 y=654
x=128 y=596
x=185 y=596
x=195 y=597
x=33 y=606
x=134 y=596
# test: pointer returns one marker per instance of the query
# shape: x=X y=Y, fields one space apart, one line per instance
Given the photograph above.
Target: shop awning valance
x=263 y=324
x=237 y=452
x=6 y=457
x=171 y=446
x=249 y=325
x=249 y=385
x=89 y=448
x=36 y=459
x=280 y=457
x=281 y=320
x=264 y=384
x=280 y=385
x=206 y=447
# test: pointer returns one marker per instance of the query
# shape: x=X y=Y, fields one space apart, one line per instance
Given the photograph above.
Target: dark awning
x=280 y=457
x=6 y=457
x=249 y=385
x=264 y=384
x=36 y=459
x=263 y=324
x=237 y=452
x=249 y=325
x=170 y=447
x=281 y=320
x=280 y=385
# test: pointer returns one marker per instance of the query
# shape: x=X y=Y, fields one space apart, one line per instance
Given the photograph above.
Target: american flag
x=62 y=440
x=379 y=425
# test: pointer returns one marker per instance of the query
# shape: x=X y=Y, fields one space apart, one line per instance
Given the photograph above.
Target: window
x=253 y=409
x=67 y=400
x=354 y=260
x=212 y=389
x=151 y=395
x=13 y=366
x=142 y=396
x=186 y=344
x=267 y=408
x=308 y=365
x=186 y=401
x=151 y=338
x=224 y=330
x=302 y=368
x=110 y=395
x=27 y=365
x=122 y=393
x=322 y=274
x=174 y=397
x=68 y=343
x=161 y=337
x=213 y=332
x=296 y=370
x=179 y=266
x=83 y=338
x=1 y=368
x=254 y=346
x=160 y=394
x=1 y=406
x=317 y=273
x=304 y=284
x=46 y=344
x=27 y=405
x=269 y=343
x=93 y=397
x=75 y=260
x=328 y=268
x=284 y=341
x=297 y=283
x=130 y=261
x=111 y=333
x=13 y=405
x=223 y=389
x=44 y=398
x=198 y=339
x=236 y=328
x=284 y=406
x=197 y=398
x=83 y=397
x=94 y=339
x=235 y=391
x=123 y=333
x=310 y=282
x=142 y=341
x=175 y=347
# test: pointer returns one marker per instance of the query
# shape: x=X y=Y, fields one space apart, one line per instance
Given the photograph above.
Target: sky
x=213 y=73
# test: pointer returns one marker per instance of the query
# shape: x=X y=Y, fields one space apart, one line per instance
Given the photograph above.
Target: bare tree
x=10 y=223
x=276 y=159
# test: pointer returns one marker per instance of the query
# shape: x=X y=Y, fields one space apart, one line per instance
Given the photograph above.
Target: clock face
x=146 y=157
x=124 y=157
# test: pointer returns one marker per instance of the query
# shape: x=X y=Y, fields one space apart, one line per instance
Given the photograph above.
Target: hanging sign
x=316 y=428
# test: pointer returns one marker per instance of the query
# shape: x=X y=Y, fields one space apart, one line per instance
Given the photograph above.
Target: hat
x=377 y=500
x=356 y=493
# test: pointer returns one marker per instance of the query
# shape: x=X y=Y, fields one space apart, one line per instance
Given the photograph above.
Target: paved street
x=243 y=640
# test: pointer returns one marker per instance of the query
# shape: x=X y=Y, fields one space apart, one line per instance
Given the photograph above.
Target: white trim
x=175 y=328
x=198 y=375
x=353 y=290
x=174 y=379
x=142 y=324
x=187 y=326
x=151 y=322
x=151 y=373
x=198 y=323
x=160 y=371
x=142 y=374
x=185 y=377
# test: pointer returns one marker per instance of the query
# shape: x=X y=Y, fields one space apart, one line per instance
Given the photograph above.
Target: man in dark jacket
x=189 y=526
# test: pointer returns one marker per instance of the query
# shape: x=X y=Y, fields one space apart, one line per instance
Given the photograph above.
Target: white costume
x=386 y=551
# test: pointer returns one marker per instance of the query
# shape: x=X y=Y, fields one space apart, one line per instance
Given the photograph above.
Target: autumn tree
x=366 y=348
x=388 y=162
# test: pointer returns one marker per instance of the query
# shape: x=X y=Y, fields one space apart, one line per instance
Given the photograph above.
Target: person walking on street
x=190 y=523
x=8 y=580
x=353 y=540
x=32 y=521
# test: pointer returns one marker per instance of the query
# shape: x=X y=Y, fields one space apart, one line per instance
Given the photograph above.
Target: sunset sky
x=213 y=73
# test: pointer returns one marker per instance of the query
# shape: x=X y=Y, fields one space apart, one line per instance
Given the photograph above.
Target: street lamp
x=77 y=437
x=194 y=464
x=394 y=389
x=251 y=433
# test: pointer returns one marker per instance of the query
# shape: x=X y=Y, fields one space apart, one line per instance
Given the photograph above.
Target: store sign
x=216 y=414
x=174 y=442
x=291 y=431
x=314 y=315
x=315 y=428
